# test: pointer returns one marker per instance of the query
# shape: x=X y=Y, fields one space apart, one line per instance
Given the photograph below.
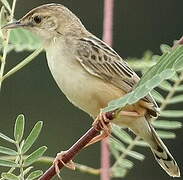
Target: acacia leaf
x=9 y=176
x=119 y=172
x=172 y=113
x=157 y=96
x=34 y=175
x=34 y=156
x=176 y=99
x=7 y=163
x=141 y=143
x=165 y=85
x=122 y=134
x=164 y=124
x=125 y=163
x=136 y=155
x=27 y=170
x=19 y=128
x=32 y=136
x=22 y=40
x=6 y=138
x=166 y=134
x=115 y=143
x=8 y=151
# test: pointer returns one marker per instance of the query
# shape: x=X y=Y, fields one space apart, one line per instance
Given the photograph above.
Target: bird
x=91 y=74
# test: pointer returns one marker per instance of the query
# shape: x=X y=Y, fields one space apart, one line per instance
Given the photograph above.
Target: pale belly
x=84 y=90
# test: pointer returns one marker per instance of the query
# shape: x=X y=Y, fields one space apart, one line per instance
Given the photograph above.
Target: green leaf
x=22 y=144
x=114 y=151
x=34 y=175
x=136 y=155
x=32 y=136
x=123 y=135
x=176 y=99
x=34 y=156
x=141 y=143
x=172 y=113
x=155 y=58
x=163 y=124
x=157 y=96
x=24 y=40
x=6 y=4
x=125 y=163
x=7 y=163
x=119 y=172
x=19 y=128
x=178 y=64
x=166 y=135
x=179 y=88
x=165 y=85
x=117 y=144
x=8 y=151
x=164 y=69
x=165 y=48
x=139 y=92
x=27 y=170
x=6 y=138
x=23 y=63
x=175 y=77
x=9 y=176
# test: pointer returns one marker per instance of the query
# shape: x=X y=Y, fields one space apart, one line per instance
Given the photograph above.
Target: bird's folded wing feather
x=102 y=61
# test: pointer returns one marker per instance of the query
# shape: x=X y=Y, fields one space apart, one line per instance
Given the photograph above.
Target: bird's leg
x=99 y=137
x=129 y=113
x=58 y=159
x=103 y=122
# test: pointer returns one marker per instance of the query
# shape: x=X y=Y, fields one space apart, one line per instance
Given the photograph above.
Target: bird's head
x=48 y=21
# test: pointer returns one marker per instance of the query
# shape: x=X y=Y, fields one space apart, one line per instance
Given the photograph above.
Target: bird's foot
x=97 y=138
x=103 y=122
x=58 y=159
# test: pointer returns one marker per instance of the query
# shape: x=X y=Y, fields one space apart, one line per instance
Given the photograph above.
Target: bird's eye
x=37 y=19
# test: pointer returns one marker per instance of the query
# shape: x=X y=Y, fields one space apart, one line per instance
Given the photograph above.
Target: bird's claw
x=58 y=159
x=102 y=121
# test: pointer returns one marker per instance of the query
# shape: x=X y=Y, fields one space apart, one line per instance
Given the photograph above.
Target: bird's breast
x=84 y=90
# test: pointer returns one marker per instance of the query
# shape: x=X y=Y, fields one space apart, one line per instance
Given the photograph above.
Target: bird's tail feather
x=163 y=156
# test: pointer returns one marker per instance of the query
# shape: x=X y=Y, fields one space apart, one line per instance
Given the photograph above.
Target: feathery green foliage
x=122 y=144
x=21 y=161
x=167 y=65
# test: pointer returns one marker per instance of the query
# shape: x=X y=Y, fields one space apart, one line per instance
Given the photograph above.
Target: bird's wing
x=102 y=61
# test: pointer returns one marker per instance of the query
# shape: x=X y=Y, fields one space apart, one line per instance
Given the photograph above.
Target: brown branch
x=76 y=148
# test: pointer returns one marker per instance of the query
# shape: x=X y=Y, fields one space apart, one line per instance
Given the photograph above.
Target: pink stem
x=107 y=37
x=108 y=21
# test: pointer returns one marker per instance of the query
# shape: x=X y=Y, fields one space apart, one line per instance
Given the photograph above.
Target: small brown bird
x=91 y=74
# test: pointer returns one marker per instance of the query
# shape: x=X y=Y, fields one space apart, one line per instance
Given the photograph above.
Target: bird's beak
x=13 y=25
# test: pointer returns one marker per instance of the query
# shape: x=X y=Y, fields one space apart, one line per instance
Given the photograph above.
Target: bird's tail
x=162 y=155
x=145 y=130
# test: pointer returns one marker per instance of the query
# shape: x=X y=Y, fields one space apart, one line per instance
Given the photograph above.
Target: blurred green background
x=138 y=26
